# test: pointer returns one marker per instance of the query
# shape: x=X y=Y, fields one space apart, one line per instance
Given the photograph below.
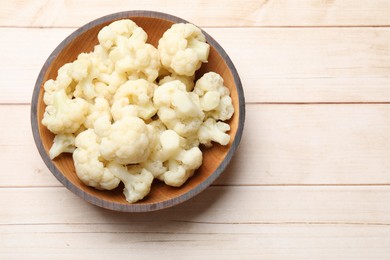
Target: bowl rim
x=135 y=207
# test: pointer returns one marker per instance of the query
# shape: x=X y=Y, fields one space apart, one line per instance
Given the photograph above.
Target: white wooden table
x=310 y=180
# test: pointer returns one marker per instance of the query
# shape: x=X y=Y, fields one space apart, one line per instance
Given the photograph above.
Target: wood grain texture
x=216 y=205
x=281 y=145
x=309 y=181
x=195 y=240
x=205 y=13
x=275 y=64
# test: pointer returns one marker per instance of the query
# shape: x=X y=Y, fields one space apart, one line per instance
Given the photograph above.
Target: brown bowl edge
x=136 y=207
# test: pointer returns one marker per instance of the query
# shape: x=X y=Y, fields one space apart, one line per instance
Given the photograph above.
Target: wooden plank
x=275 y=64
x=234 y=13
x=194 y=240
x=281 y=144
x=366 y=205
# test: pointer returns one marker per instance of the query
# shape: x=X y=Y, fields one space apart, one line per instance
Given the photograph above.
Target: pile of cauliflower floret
x=131 y=113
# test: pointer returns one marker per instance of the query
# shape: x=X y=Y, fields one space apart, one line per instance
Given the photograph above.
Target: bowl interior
x=84 y=40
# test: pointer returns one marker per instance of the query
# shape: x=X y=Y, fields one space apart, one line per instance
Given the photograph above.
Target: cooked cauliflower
x=89 y=165
x=155 y=167
x=63 y=81
x=183 y=48
x=106 y=85
x=62 y=143
x=100 y=109
x=186 y=80
x=128 y=50
x=214 y=96
x=212 y=130
x=65 y=115
x=179 y=164
x=134 y=98
x=178 y=109
x=124 y=29
x=170 y=143
x=136 y=179
x=182 y=166
x=137 y=61
x=131 y=113
x=127 y=141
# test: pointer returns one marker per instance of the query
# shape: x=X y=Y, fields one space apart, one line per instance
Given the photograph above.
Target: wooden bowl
x=161 y=196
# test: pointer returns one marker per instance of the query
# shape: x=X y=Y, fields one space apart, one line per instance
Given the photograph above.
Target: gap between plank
x=203 y=223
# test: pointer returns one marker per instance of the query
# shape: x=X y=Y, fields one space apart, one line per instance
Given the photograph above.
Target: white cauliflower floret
x=186 y=80
x=179 y=164
x=62 y=143
x=86 y=72
x=65 y=115
x=123 y=29
x=89 y=164
x=100 y=109
x=182 y=166
x=214 y=96
x=63 y=81
x=183 y=48
x=134 y=98
x=136 y=179
x=154 y=163
x=155 y=167
x=137 y=61
x=128 y=50
x=211 y=130
x=156 y=127
x=169 y=145
x=178 y=109
x=127 y=141
x=106 y=85
x=101 y=60
x=50 y=87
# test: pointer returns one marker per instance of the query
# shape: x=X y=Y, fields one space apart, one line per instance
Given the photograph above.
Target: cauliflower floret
x=50 y=87
x=214 y=96
x=63 y=81
x=127 y=141
x=128 y=50
x=156 y=127
x=86 y=72
x=186 y=80
x=106 y=85
x=136 y=179
x=100 y=109
x=183 y=48
x=137 y=61
x=154 y=163
x=101 y=60
x=178 y=109
x=182 y=166
x=62 y=143
x=134 y=98
x=89 y=164
x=211 y=130
x=169 y=145
x=171 y=162
x=65 y=115
x=155 y=167
x=123 y=29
